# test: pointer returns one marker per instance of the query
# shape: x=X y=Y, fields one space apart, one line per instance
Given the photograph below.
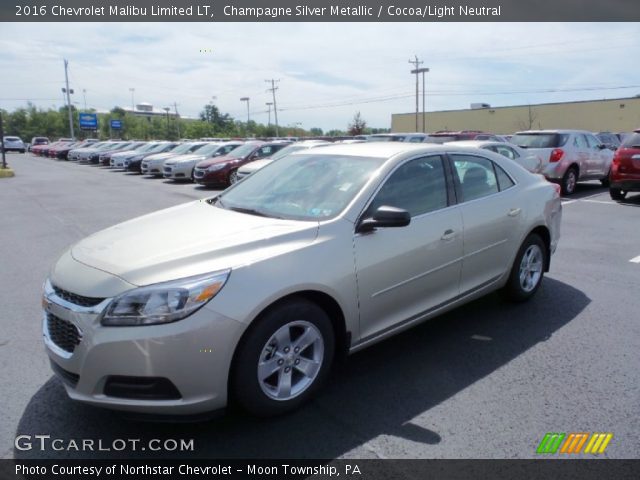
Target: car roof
x=559 y=130
x=377 y=149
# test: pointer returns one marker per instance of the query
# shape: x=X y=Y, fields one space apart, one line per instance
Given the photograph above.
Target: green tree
x=357 y=125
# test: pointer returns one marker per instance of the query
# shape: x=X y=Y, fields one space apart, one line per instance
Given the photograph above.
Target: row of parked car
x=565 y=157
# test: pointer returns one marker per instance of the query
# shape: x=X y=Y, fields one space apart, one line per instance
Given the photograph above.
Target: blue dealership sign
x=116 y=124
x=88 y=121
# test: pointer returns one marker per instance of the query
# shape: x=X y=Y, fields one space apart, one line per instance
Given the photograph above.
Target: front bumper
x=626 y=185
x=204 y=177
x=179 y=171
x=193 y=354
x=152 y=168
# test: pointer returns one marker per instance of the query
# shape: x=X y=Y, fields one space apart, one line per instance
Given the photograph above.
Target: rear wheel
x=617 y=194
x=527 y=270
x=284 y=359
x=569 y=181
x=233 y=177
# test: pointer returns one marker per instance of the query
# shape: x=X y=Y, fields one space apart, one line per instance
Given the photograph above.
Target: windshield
x=631 y=141
x=301 y=187
x=208 y=150
x=540 y=140
x=187 y=148
x=105 y=146
x=288 y=150
x=145 y=147
x=158 y=148
x=243 y=150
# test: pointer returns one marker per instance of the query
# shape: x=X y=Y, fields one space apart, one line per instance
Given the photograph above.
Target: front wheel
x=527 y=270
x=569 y=181
x=617 y=194
x=233 y=177
x=284 y=359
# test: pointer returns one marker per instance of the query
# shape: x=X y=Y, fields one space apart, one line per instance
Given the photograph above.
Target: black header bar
x=319 y=11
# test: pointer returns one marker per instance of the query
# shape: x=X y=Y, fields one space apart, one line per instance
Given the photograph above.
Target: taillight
x=615 y=162
x=556 y=155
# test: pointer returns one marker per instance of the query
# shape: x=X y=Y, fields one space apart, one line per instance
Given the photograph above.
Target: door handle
x=448 y=235
x=514 y=212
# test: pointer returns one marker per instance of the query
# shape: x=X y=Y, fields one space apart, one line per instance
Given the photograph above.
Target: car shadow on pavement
x=587 y=189
x=375 y=392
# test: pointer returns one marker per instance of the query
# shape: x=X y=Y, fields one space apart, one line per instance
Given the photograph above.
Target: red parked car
x=625 y=168
x=224 y=170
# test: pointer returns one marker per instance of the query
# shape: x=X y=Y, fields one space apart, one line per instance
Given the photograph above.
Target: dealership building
x=614 y=115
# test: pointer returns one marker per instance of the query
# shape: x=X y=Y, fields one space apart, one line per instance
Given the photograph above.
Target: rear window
x=11 y=139
x=540 y=140
x=632 y=140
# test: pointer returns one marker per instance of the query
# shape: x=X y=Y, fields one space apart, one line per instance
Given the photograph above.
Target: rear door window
x=476 y=175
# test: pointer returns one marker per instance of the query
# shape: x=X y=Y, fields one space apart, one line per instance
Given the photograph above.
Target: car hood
x=255 y=165
x=190 y=239
x=214 y=160
x=126 y=153
x=159 y=156
x=190 y=157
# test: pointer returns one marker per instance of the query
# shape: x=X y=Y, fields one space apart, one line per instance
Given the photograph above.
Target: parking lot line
x=601 y=201
x=635 y=259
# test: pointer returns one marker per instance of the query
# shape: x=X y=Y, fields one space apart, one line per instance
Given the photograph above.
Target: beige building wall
x=617 y=115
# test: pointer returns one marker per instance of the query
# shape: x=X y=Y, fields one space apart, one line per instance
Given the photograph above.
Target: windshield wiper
x=250 y=211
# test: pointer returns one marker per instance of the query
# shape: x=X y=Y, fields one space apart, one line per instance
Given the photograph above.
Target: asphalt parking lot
x=487 y=380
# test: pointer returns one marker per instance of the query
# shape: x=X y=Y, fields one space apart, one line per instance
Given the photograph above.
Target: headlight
x=164 y=302
x=216 y=167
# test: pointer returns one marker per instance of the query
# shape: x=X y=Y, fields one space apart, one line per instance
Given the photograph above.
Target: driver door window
x=418 y=186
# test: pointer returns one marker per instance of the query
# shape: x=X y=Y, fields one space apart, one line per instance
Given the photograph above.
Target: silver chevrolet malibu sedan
x=250 y=296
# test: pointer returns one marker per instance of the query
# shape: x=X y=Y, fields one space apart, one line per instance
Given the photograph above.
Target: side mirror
x=385 y=216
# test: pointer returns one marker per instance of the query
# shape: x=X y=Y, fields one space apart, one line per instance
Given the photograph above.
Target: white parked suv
x=568 y=156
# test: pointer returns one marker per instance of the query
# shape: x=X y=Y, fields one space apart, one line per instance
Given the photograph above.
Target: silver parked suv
x=568 y=156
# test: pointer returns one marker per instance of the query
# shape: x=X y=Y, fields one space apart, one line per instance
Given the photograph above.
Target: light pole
x=166 y=109
x=84 y=94
x=268 y=104
x=68 y=91
x=246 y=99
x=133 y=104
x=424 y=118
x=4 y=159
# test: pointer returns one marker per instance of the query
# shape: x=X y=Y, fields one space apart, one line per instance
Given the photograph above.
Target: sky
x=327 y=71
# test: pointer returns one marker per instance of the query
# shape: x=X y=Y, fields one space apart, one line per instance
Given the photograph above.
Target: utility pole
x=68 y=92
x=175 y=106
x=417 y=64
x=268 y=104
x=275 y=105
x=422 y=70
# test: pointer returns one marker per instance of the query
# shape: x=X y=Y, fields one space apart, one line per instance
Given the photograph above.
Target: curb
x=6 y=173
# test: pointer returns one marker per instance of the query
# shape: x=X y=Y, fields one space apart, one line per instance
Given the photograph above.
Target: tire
x=605 y=180
x=617 y=194
x=233 y=177
x=569 y=181
x=527 y=271
x=267 y=358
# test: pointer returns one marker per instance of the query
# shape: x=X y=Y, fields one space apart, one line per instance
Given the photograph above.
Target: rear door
x=492 y=212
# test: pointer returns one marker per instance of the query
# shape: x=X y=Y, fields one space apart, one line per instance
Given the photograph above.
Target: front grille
x=141 y=388
x=62 y=333
x=67 y=376
x=77 y=299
